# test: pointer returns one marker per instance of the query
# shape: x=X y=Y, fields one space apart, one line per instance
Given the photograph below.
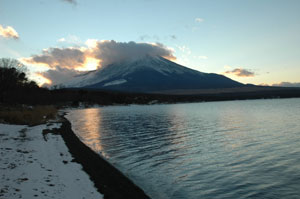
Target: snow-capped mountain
x=149 y=74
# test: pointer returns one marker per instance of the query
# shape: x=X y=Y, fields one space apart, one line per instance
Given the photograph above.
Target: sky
x=251 y=41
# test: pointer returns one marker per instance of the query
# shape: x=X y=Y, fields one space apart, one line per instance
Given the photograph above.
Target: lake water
x=233 y=149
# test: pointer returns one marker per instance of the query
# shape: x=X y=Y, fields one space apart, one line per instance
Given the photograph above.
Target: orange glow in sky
x=89 y=64
x=41 y=80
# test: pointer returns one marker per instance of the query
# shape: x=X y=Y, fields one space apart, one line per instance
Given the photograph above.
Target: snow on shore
x=37 y=166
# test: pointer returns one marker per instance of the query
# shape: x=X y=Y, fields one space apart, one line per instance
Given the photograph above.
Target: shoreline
x=107 y=179
x=36 y=163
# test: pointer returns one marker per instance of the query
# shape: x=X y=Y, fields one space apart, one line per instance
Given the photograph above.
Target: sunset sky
x=251 y=41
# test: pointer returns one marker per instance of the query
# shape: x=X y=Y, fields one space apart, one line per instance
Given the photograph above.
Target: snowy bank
x=33 y=165
x=108 y=180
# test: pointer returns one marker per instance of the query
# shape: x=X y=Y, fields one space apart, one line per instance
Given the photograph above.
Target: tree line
x=13 y=77
x=17 y=88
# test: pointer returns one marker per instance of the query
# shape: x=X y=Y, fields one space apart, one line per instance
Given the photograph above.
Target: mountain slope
x=150 y=74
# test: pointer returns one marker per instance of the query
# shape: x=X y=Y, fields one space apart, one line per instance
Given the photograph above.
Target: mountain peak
x=148 y=74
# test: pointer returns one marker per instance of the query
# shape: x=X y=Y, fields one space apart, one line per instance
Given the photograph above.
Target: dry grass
x=27 y=115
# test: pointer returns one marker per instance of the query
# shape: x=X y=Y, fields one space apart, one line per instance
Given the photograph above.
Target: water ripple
x=240 y=149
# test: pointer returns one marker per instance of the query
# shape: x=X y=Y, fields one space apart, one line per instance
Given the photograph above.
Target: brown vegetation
x=27 y=115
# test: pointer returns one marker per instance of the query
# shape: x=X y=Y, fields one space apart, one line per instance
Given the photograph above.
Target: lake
x=232 y=149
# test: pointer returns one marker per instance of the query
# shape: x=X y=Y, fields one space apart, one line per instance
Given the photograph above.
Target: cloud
x=70 y=39
x=110 y=51
x=63 y=57
x=287 y=84
x=187 y=55
x=147 y=37
x=58 y=75
x=8 y=32
x=106 y=51
x=62 y=40
x=70 y=1
x=64 y=63
x=185 y=49
x=240 y=72
x=199 y=20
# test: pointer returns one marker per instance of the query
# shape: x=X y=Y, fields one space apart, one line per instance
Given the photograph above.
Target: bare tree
x=13 y=77
x=13 y=63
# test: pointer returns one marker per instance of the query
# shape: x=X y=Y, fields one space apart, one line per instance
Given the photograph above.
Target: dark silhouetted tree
x=13 y=77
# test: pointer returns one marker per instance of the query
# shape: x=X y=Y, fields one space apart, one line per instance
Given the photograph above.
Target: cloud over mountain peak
x=94 y=54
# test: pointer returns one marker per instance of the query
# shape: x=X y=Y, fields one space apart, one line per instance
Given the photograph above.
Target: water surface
x=234 y=149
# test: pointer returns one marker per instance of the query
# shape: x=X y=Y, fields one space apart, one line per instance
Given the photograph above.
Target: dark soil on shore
x=108 y=180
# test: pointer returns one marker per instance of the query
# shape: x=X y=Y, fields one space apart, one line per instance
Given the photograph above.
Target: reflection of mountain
x=150 y=74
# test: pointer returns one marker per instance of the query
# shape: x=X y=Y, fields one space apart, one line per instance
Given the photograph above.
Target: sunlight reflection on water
x=237 y=149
